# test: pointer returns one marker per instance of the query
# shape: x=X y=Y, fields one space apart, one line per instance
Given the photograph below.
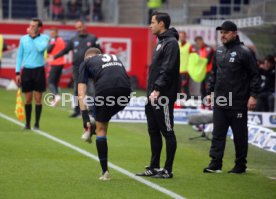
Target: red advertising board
x=133 y=45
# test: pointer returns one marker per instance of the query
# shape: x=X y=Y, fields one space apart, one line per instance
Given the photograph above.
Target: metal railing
x=192 y=12
x=13 y=9
x=182 y=11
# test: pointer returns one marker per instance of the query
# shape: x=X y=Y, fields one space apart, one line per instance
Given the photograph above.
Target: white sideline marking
x=90 y=155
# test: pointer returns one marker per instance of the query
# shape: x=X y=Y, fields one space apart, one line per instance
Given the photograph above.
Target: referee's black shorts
x=33 y=79
x=109 y=102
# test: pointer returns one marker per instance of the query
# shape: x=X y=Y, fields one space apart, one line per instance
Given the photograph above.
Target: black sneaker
x=212 y=169
x=237 y=170
x=75 y=114
x=163 y=174
x=36 y=128
x=148 y=172
x=26 y=128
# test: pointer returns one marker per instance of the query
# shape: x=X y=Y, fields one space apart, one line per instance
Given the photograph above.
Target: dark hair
x=270 y=59
x=162 y=16
x=39 y=22
x=198 y=38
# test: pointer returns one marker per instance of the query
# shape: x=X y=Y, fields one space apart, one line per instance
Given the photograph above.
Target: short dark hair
x=39 y=22
x=163 y=16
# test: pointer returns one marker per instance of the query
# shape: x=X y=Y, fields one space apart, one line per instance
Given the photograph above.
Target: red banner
x=133 y=45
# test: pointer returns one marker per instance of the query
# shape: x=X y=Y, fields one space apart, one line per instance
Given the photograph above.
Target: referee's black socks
x=28 y=110
x=38 y=109
x=102 y=149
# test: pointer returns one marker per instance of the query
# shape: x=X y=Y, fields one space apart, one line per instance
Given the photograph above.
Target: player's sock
x=28 y=110
x=38 y=109
x=102 y=148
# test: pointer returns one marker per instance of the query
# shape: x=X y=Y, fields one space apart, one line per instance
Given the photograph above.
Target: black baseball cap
x=228 y=26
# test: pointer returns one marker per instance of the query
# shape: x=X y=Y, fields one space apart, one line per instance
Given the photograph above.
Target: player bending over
x=112 y=94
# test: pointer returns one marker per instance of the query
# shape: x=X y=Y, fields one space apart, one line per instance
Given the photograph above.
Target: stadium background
x=123 y=31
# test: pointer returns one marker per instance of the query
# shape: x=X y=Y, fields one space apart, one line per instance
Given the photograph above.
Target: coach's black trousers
x=160 y=120
x=75 y=79
x=54 y=78
x=237 y=120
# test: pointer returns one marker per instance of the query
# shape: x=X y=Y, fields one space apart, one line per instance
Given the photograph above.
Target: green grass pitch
x=32 y=166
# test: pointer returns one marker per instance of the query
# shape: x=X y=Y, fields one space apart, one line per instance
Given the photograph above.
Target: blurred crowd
x=265 y=102
x=74 y=10
x=267 y=66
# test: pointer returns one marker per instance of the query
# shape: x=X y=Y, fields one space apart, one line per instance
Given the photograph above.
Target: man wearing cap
x=235 y=82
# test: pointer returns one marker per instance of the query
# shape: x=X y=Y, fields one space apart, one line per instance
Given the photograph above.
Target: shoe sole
x=86 y=138
x=55 y=103
x=162 y=177
x=89 y=140
x=212 y=171
x=104 y=179
x=143 y=175
x=146 y=175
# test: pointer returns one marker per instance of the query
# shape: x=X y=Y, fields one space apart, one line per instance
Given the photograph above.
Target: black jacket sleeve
x=171 y=51
x=5 y=46
x=97 y=44
x=210 y=56
x=253 y=71
x=212 y=78
x=50 y=48
x=68 y=47
x=83 y=73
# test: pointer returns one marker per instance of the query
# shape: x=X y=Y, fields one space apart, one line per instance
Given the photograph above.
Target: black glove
x=85 y=118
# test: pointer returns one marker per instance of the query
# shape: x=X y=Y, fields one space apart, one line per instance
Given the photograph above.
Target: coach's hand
x=251 y=104
x=18 y=80
x=154 y=95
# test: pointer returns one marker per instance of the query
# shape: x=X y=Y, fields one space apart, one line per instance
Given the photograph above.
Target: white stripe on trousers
x=167 y=118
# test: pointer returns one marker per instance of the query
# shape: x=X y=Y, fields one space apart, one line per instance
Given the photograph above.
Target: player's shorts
x=33 y=79
x=109 y=102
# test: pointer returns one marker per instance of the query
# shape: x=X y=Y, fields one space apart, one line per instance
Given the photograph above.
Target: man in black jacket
x=265 y=101
x=235 y=82
x=162 y=90
x=78 y=44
